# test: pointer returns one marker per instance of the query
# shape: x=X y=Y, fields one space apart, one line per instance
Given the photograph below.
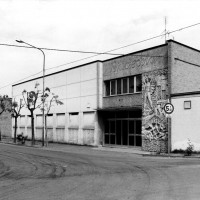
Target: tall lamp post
x=43 y=85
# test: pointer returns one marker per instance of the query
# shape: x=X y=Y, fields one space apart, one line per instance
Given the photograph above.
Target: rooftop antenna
x=165 y=29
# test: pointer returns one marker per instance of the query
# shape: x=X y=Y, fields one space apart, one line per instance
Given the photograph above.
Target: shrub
x=190 y=148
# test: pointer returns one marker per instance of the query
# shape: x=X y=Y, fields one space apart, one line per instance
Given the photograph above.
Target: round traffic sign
x=168 y=108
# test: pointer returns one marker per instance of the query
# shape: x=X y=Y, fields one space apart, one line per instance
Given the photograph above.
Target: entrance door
x=134 y=134
x=123 y=131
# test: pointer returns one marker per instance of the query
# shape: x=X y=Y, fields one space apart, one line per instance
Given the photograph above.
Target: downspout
x=169 y=66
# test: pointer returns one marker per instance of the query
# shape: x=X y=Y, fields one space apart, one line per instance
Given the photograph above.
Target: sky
x=85 y=25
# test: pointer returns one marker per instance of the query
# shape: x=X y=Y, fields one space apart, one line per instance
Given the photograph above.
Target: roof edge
x=185 y=94
x=183 y=45
x=140 y=51
x=96 y=61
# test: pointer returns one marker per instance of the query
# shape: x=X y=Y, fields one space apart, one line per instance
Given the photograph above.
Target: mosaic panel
x=154 y=122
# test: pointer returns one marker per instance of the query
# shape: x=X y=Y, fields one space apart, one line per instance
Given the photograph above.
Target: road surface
x=81 y=173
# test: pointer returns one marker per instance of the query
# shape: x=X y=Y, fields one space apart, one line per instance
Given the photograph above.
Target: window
x=119 y=86
x=131 y=84
x=139 y=83
x=127 y=85
x=187 y=104
x=113 y=87
x=107 y=88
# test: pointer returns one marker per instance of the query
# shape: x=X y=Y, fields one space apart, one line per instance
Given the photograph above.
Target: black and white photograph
x=100 y=100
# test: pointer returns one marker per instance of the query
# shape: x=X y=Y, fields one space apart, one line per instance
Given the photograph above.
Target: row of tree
x=32 y=100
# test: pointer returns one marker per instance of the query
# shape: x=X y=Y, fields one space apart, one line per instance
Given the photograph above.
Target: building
x=120 y=101
x=5 y=125
x=76 y=121
x=5 y=118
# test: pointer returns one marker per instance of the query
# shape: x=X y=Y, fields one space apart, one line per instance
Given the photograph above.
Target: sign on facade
x=168 y=108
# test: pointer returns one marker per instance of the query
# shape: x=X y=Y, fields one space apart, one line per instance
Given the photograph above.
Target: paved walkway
x=79 y=148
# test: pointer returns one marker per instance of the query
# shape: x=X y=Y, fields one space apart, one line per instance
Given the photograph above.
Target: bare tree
x=31 y=100
x=49 y=99
x=16 y=109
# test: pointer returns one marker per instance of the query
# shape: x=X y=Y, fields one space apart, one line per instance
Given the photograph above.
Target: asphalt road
x=82 y=173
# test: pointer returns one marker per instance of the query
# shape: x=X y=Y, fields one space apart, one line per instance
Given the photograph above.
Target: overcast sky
x=94 y=25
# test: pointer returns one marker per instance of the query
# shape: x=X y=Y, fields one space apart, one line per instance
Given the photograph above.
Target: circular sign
x=168 y=108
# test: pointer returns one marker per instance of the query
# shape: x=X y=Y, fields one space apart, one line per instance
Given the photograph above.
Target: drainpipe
x=169 y=66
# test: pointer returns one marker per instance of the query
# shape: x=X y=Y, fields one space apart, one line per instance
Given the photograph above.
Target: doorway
x=123 y=128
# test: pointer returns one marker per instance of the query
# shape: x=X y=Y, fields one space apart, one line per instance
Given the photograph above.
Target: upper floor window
x=113 y=87
x=139 y=83
x=126 y=85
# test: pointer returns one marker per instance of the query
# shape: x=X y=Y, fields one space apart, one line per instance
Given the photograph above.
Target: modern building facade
x=120 y=101
x=76 y=121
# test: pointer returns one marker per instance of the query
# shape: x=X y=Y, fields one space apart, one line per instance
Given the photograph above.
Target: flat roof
x=58 y=72
x=136 y=52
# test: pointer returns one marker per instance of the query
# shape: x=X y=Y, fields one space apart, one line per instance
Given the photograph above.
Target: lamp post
x=43 y=85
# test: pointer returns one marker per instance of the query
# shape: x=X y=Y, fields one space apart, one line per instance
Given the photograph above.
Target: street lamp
x=43 y=85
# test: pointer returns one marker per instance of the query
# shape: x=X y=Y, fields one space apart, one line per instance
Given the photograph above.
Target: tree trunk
x=45 y=121
x=32 y=128
x=15 y=132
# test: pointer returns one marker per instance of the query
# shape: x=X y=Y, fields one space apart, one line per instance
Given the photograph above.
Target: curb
x=21 y=145
x=99 y=149
x=171 y=156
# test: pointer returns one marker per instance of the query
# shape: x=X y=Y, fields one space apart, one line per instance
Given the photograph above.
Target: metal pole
x=43 y=117
x=43 y=86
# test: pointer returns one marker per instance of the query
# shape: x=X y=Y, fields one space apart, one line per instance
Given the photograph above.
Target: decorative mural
x=154 y=92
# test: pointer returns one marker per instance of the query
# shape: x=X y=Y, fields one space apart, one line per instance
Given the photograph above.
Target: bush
x=190 y=148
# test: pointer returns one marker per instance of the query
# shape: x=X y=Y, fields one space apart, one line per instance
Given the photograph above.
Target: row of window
x=88 y=119
x=127 y=85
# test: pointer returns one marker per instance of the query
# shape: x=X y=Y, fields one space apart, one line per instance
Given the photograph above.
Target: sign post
x=169 y=108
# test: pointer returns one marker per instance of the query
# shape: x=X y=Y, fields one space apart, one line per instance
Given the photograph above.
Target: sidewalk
x=123 y=150
x=80 y=149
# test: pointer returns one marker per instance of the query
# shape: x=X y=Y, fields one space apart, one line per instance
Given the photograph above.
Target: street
x=82 y=173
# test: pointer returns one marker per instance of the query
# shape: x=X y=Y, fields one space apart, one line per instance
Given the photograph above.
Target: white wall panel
x=25 y=111
x=185 y=123
x=60 y=91
x=73 y=105
x=89 y=72
x=28 y=120
x=73 y=119
x=59 y=79
x=73 y=76
x=39 y=120
x=73 y=90
x=50 y=120
x=88 y=103
x=88 y=119
x=60 y=118
x=22 y=121
x=49 y=82
x=89 y=87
